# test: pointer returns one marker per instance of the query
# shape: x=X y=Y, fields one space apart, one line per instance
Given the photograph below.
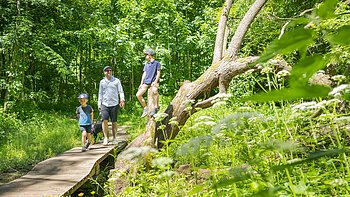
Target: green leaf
x=296 y=39
x=305 y=68
x=312 y=156
x=341 y=36
x=302 y=92
x=197 y=189
x=327 y=9
x=299 y=21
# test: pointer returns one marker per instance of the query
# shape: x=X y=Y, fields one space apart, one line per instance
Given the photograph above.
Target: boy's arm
x=157 y=78
x=92 y=117
x=142 y=78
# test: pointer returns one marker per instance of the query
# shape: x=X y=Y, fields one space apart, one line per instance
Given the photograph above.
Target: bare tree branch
x=220 y=35
x=287 y=23
x=243 y=26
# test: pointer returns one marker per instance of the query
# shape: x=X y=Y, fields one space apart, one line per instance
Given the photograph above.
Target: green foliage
x=341 y=36
x=8 y=124
x=246 y=150
x=300 y=39
x=296 y=39
x=265 y=149
x=27 y=142
x=326 y=9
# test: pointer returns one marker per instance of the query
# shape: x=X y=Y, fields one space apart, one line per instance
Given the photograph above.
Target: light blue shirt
x=108 y=92
x=85 y=115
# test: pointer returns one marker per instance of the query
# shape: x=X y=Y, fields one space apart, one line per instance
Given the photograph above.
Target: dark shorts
x=86 y=128
x=109 y=113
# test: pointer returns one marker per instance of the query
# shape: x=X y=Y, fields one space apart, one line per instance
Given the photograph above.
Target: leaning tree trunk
x=219 y=74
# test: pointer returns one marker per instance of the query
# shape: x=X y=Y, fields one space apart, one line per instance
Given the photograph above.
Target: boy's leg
x=140 y=93
x=139 y=96
x=83 y=134
x=83 y=138
x=88 y=136
x=87 y=144
x=155 y=99
x=155 y=94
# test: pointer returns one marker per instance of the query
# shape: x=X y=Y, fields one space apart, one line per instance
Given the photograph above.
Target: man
x=108 y=102
x=149 y=80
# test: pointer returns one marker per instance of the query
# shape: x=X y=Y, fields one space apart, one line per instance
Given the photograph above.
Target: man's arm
x=100 y=95
x=121 y=95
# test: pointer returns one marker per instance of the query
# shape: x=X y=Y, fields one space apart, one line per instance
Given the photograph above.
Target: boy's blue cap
x=105 y=68
x=83 y=96
x=149 y=52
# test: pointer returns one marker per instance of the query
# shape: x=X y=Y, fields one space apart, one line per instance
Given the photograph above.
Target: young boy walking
x=150 y=79
x=86 y=115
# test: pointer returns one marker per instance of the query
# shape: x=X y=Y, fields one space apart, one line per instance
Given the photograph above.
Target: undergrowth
x=26 y=142
x=245 y=150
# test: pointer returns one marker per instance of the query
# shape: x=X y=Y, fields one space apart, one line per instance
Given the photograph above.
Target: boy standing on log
x=86 y=115
x=150 y=80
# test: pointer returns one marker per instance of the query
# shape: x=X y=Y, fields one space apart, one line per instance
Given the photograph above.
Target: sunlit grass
x=244 y=150
x=36 y=139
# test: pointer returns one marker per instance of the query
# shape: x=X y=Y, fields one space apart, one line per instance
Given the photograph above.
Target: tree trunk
x=186 y=100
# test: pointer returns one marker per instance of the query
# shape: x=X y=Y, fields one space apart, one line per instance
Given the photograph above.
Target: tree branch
x=287 y=23
x=220 y=35
x=243 y=26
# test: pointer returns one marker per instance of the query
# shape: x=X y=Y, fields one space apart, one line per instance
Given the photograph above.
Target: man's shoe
x=83 y=149
x=144 y=113
x=114 y=142
x=105 y=141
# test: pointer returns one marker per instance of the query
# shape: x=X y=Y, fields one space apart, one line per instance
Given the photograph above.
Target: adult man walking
x=149 y=80
x=108 y=102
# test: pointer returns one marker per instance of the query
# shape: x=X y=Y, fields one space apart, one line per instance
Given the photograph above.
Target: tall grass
x=41 y=136
x=271 y=149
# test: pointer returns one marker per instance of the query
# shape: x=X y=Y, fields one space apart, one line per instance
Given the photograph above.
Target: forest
x=254 y=94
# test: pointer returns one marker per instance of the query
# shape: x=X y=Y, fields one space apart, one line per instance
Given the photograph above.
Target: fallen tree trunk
x=191 y=95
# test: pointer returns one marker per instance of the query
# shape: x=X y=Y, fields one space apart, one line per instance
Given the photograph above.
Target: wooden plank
x=60 y=175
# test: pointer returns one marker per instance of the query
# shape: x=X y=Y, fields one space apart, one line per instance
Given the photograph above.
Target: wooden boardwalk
x=63 y=174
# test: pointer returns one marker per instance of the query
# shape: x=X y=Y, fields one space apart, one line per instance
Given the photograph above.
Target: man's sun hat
x=83 y=96
x=149 y=52
x=106 y=67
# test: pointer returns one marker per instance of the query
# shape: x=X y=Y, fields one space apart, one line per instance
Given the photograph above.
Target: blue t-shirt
x=84 y=115
x=151 y=69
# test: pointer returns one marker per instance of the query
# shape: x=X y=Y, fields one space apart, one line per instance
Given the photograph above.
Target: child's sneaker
x=153 y=112
x=105 y=141
x=144 y=113
x=87 y=145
